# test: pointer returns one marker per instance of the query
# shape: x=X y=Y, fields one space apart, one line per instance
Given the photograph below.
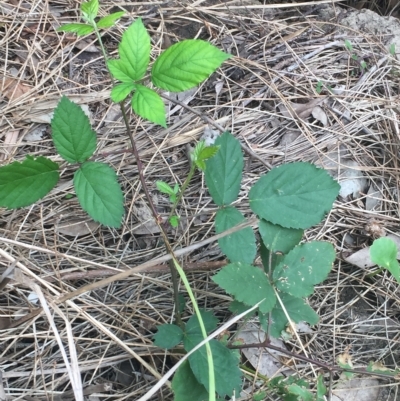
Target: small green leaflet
x=120 y=91
x=149 y=105
x=303 y=267
x=186 y=64
x=134 y=53
x=239 y=246
x=22 y=184
x=79 y=29
x=321 y=388
x=248 y=284
x=174 y=221
x=168 y=336
x=90 y=9
x=201 y=153
x=99 y=193
x=223 y=174
x=383 y=252
x=295 y=195
x=185 y=382
x=109 y=20
x=73 y=137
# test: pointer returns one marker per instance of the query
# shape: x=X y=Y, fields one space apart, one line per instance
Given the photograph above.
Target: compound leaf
x=295 y=195
x=149 y=105
x=185 y=382
x=120 y=91
x=297 y=309
x=79 y=29
x=239 y=246
x=73 y=137
x=134 y=50
x=168 y=335
x=186 y=64
x=99 y=193
x=109 y=20
x=22 y=184
x=247 y=284
x=224 y=171
x=303 y=267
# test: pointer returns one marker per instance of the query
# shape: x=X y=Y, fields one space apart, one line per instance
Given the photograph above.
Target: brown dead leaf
x=76 y=226
x=14 y=89
x=300 y=110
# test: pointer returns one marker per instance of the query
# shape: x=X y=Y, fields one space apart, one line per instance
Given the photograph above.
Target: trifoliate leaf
x=109 y=20
x=239 y=246
x=186 y=64
x=277 y=238
x=303 y=267
x=168 y=335
x=295 y=195
x=120 y=91
x=22 y=184
x=149 y=105
x=248 y=284
x=79 y=29
x=73 y=137
x=224 y=171
x=99 y=193
x=134 y=50
x=185 y=382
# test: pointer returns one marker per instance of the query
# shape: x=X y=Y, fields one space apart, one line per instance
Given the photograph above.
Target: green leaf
x=295 y=195
x=193 y=325
x=277 y=238
x=121 y=91
x=348 y=45
x=247 y=284
x=239 y=246
x=22 y=184
x=134 y=50
x=383 y=252
x=296 y=308
x=73 y=137
x=224 y=171
x=186 y=64
x=99 y=193
x=185 y=382
x=378 y=367
x=79 y=29
x=303 y=267
x=109 y=20
x=237 y=308
x=227 y=372
x=120 y=70
x=168 y=336
x=149 y=105
x=299 y=391
x=164 y=188
x=392 y=49
x=174 y=221
x=268 y=257
x=90 y=9
x=321 y=388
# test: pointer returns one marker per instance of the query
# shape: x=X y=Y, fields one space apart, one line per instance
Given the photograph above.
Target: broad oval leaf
x=277 y=238
x=79 y=29
x=99 y=193
x=223 y=174
x=22 y=184
x=186 y=64
x=295 y=195
x=120 y=70
x=297 y=309
x=149 y=105
x=239 y=246
x=185 y=382
x=73 y=137
x=134 y=50
x=248 y=284
x=383 y=252
x=303 y=267
x=168 y=335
